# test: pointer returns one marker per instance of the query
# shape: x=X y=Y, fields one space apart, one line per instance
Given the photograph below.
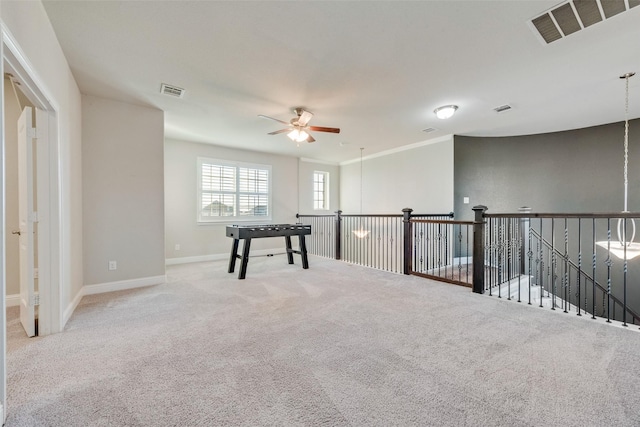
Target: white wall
x=29 y=26
x=123 y=191
x=209 y=241
x=420 y=178
x=306 y=168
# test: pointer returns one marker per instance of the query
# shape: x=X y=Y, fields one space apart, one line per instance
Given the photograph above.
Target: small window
x=229 y=191
x=320 y=190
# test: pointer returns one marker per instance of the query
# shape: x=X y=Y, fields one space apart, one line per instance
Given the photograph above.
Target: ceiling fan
x=298 y=127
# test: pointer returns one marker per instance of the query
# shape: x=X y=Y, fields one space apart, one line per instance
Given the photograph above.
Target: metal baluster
x=608 y=263
x=362 y=245
x=517 y=248
x=378 y=237
x=508 y=255
x=395 y=246
x=553 y=264
x=624 y=279
x=529 y=256
x=419 y=234
x=439 y=249
x=566 y=266
x=346 y=233
x=541 y=246
x=593 y=277
x=499 y=257
x=490 y=257
x=459 y=243
x=326 y=239
x=367 y=243
x=345 y=239
x=371 y=243
x=385 y=245
x=467 y=253
x=580 y=267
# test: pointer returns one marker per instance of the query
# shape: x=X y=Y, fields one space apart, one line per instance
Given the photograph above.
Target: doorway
x=21 y=251
x=51 y=253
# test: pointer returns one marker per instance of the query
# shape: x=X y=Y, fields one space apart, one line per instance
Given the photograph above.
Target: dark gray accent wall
x=572 y=171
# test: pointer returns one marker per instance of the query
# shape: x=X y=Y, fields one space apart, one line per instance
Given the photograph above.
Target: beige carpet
x=333 y=345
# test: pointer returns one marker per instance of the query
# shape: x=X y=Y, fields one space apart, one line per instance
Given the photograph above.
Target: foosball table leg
x=234 y=255
x=287 y=239
x=245 y=258
x=303 y=251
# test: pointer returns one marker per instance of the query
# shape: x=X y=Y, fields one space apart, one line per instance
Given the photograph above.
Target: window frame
x=325 y=190
x=237 y=193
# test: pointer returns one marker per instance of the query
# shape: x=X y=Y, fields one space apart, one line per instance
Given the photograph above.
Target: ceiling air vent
x=588 y=11
x=170 y=90
x=502 y=108
x=429 y=130
x=575 y=15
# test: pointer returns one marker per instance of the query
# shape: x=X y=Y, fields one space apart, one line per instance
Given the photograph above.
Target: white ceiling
x=377 y=70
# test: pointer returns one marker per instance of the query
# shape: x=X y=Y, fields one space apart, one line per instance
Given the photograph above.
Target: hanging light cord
x=622 y=223
x=626 y=139
x=361 y=181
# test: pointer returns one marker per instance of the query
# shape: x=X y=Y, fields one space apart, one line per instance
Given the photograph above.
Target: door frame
x=53 y=242
x=48 y=185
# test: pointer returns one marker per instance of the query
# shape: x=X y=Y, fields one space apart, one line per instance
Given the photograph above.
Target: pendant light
x=361 y=233
x=623 y=248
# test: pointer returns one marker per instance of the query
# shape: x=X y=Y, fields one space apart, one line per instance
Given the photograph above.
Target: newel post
x=478 y=249
x=408 y=240
x=338 y=234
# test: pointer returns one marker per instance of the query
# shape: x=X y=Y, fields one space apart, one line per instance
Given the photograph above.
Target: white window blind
x=229 y=191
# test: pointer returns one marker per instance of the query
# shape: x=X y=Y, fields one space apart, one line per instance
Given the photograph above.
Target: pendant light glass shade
x=298 y=135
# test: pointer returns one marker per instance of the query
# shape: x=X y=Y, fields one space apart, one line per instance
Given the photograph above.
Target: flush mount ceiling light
x=445 y=111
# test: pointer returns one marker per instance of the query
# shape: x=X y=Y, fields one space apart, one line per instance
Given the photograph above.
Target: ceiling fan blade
x=304 y=118
x=271 y=118
x=323 y=129
x=279 y=131
x=310 y=139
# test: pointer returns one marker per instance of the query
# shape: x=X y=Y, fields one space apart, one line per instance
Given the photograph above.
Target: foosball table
x=248 y=232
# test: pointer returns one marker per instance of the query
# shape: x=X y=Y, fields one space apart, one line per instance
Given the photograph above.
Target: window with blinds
x=230 y=191
x=320 y=190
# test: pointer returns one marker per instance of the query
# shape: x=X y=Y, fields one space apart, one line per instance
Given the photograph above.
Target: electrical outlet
x=177 y=246
x=113 y=265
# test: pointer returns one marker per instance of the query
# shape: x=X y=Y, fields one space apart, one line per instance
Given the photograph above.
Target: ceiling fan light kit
x=298 y=135
x=298 y=127
x=445 y=112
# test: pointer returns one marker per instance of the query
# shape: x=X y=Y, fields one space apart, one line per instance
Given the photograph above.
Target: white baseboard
x=218 y=257
x=71 y=308
x=109 y=287
x=12 y=300
x=190 y=259
x=123 y=285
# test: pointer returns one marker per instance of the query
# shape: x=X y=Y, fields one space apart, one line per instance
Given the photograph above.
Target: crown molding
x=443 y=138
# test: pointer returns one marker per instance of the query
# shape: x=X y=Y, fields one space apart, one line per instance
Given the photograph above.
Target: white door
x=26 y=134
